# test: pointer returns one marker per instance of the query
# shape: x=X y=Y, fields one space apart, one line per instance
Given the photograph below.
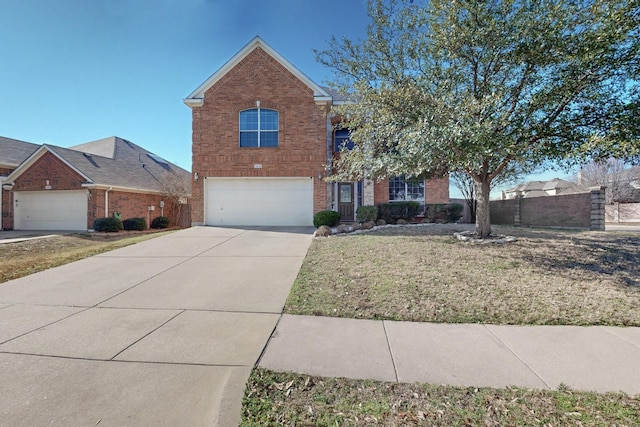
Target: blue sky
x=75 y=71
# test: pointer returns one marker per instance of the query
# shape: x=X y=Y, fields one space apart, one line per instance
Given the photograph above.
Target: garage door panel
x=50 y=210
x=259 y=201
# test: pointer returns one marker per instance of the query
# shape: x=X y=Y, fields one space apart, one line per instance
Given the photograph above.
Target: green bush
x=443 y=212
x=393 y=211
x=110 y=225
x=160 y=222
x=135 y=224
x=366 y=213
x=455 y=213
x=328 y=218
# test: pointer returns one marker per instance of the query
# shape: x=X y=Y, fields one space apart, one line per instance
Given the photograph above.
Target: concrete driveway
x=161 y=333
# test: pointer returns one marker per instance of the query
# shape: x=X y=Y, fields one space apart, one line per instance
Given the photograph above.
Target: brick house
x=45 y=187
x=262 y=140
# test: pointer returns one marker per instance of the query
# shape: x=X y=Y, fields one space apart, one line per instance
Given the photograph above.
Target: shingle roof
x=116 y=162
x=129 y=166
x=13 y=152
x=337 y=97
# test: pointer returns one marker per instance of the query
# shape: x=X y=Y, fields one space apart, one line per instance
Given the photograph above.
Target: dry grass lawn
x=285 y=399
x=422 y=273
x=30 y=256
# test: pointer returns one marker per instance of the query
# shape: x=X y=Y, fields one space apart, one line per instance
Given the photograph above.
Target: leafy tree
x=482 y=86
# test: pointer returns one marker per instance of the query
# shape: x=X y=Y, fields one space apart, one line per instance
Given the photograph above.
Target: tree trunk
x=483 y=220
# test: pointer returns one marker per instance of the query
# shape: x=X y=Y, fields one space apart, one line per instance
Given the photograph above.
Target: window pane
x=342 y=141
x=402 y=189
x=248 y=139
x=268 y=139
x=345 y=194
x=249 y=120
x=415 y=191
x=268 y=120
x=396 y=189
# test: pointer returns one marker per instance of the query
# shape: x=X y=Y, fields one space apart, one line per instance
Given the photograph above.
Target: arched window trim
x=259 y=132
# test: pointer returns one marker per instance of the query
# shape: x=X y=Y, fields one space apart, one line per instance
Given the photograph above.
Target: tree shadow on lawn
x=613 y=254
x=610 y=254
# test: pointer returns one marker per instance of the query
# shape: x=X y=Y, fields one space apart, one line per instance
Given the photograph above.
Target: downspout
x=106 y=202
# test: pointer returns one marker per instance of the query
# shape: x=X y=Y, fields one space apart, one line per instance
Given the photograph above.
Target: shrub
x=109 y=224
x=366 y=213
x=456 y=212
x=443 y=212
x=135 y=224
x=328 y=218
x=160 y=222
x=391 y=212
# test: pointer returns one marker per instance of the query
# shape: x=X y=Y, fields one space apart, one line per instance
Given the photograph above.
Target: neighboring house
x=45 y=187
x=263 y=143
x=542 y=188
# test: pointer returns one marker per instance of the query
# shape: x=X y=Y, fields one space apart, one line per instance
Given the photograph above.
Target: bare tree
x=614 y=174
x=177 y=188
x=467 y=186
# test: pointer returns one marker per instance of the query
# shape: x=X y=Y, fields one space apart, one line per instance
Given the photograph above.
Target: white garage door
x=259 y=201
x=50 y=210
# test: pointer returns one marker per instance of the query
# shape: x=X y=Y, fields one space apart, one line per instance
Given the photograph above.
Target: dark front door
x=345 y=201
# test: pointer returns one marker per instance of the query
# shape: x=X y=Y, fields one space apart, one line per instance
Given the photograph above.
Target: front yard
x=422 y=273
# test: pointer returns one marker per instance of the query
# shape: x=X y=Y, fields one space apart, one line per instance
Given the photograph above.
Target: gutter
x=106 y=202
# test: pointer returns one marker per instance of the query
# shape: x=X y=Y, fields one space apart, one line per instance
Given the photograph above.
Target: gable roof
x=13 y=152
x=118 y=163
x=196 y=98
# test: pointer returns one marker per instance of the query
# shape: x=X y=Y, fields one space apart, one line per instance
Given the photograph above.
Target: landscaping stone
x=469 y=236
x=322 y=231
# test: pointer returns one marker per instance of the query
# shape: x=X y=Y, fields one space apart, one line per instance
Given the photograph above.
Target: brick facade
x=61 y=177
x=436 y=190
x=257 y=78
x=48 y=168
x=301 y=147
x=128 y=205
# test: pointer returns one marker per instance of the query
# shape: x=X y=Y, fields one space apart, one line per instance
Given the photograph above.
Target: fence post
x=598 y=208
x=516 y=211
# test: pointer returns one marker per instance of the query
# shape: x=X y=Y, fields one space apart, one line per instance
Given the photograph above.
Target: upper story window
x=341 y=140
x=259 y=128
x=401 y=189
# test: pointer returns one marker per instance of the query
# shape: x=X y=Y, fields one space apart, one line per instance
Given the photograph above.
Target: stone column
x=516 y=211
x=367 y=193
x=597 y=208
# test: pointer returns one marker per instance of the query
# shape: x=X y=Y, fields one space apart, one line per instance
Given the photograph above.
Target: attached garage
x=50 y=210
x=259 y=201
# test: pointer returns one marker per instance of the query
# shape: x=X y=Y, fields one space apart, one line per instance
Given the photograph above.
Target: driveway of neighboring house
x=164 y=332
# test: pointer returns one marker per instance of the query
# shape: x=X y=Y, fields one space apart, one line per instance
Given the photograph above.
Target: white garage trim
x=50 y=210
x=258 y=201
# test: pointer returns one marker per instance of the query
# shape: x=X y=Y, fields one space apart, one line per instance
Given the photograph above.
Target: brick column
x=597 y=208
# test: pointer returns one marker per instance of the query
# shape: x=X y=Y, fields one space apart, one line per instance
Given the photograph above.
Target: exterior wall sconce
x=196 y=176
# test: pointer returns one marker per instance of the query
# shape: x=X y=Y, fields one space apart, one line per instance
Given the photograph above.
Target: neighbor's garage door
x=259 y=201
x=50 y=210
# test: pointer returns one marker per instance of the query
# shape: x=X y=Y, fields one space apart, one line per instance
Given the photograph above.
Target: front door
x=345 y=201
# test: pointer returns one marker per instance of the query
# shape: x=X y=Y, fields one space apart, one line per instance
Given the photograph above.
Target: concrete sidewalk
x=161 y=333
x=597 y=358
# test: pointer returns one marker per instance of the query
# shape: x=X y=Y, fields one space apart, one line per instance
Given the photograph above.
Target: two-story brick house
x=262 y=142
